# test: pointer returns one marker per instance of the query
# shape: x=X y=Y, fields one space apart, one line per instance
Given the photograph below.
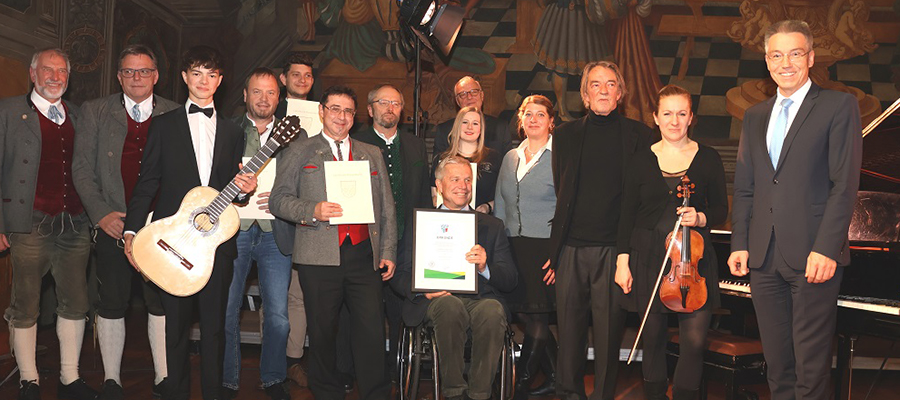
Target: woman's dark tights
x=692 y=330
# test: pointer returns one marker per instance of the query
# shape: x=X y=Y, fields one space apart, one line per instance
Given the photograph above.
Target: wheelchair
x=417 y=351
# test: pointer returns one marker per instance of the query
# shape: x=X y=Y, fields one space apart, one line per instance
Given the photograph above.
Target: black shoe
x=228 y=393
x=77 y=390
x=159 y=389
x=111 y=391
x=29 y=390
x=277 y=392
x=656 y=390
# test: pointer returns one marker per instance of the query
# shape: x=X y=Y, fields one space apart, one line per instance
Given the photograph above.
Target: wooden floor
x=137 y=373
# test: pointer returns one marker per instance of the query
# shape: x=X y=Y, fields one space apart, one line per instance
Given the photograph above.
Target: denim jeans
x=274 y=271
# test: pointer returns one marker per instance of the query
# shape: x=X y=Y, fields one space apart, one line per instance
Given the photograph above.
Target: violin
x=683 y=289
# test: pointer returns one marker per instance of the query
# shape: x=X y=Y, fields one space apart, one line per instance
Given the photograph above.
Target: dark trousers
x=585 y=283
x=114 y=277
x=210 y=302
x=796 y=325
x=326 y=289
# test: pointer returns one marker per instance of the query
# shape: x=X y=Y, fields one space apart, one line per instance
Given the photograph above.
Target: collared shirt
x=387 y=140
x=487 y=271
x=263 y=137
x=524 y=167
x=203 y=137
x=43 y=106
x=797 y=98
x=146 y=108
x=345 y=147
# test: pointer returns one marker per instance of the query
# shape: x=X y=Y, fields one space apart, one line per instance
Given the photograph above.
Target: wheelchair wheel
x=409 y=362
x=507 y=368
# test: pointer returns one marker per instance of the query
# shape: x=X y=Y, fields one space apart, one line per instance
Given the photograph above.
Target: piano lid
x=881 y=153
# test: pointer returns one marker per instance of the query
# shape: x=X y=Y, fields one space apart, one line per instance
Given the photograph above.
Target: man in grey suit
x=108 y=148
x=42 y=221
x=339 y=264
x=795 y=187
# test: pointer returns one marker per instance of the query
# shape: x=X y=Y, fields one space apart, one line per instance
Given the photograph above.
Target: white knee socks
x=24 y=348
x=71 y=335
x=156 y=332
x=112 y=343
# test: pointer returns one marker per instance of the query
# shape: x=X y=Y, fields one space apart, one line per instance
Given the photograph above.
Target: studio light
x=437 y=26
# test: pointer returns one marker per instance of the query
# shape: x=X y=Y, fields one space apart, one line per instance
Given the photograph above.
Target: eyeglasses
x=143 y=72
x=794 y=56
x=337 y=110
x=387 y=103
x=468 y=93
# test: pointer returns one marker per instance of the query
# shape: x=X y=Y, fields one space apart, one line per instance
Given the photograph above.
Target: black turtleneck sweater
x=598 y=202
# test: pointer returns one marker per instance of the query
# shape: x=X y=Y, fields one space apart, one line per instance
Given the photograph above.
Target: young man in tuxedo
x=42 y=222
x=192 y=146
x=795 y=186
x=108 y=150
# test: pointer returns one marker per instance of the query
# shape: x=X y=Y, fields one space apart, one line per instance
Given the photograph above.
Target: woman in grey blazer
x=526 y=201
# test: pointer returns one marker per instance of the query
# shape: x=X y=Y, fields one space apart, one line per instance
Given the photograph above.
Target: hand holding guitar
x=245 y=182
x=129 y=242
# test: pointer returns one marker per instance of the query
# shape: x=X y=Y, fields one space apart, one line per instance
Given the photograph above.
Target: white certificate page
x=265 y=179
x=308 y=111
x=349 y=183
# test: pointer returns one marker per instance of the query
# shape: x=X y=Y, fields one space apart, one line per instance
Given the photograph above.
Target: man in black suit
x=187 y=147
x=453 y=315
x=588 y=159
x=407 y=164
x=468 y=93
x=795 y=186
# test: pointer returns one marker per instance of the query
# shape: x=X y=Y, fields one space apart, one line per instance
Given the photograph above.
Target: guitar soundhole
x=203 y=222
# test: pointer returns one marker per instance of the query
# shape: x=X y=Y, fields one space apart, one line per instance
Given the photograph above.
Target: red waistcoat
x=55 y=191
x=132 y=151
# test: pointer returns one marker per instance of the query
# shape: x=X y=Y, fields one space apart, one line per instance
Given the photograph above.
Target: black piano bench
x=734 y=360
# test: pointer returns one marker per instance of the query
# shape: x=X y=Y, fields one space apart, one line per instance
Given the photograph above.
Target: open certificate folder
x=349 y=183
x=442 y=239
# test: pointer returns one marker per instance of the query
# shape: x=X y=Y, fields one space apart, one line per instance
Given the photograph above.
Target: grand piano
x=869 y=300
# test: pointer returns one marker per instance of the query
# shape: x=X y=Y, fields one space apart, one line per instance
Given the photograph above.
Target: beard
x=387 y=123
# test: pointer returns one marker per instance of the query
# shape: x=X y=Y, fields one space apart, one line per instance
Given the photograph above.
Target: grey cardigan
x=527 y=206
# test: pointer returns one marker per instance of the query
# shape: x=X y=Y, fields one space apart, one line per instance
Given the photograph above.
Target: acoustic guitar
x=177 y=252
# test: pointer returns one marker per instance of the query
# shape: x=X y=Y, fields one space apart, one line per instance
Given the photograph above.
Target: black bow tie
x=195 y=109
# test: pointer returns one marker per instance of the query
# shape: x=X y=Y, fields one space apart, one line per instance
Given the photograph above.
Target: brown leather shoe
x=297 y=374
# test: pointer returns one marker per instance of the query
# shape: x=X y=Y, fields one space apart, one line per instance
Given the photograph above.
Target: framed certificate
x=442 y=239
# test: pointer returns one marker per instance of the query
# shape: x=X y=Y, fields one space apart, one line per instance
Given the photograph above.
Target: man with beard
x=42 y=222
x=108 y=150
x=407 y=165
x=263 y=241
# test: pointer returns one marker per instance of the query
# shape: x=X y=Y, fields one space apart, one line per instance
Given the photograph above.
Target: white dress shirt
x=203 y=137
x=43 y=106
x=387 y=140
x=146 y=108
x=797 y=98
x=345 y=147
x=524 y=167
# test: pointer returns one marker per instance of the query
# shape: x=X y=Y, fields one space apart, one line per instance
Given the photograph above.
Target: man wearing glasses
x=468 y=93
x=795 y=186
x=339 y=264
x=407 y=165
x=107 y=161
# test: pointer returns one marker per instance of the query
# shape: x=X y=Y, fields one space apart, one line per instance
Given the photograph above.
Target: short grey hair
x=789 y=26
x=371 y=97
x=450 y=160
x=620 y=80
x=55 y=50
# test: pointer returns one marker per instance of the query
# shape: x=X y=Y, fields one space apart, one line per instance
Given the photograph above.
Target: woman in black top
x=467 y=141
x=650 y=208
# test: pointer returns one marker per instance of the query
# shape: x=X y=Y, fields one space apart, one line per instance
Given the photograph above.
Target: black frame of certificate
x=415 y=250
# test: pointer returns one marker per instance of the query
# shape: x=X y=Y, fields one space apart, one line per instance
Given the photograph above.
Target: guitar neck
x=231 y=191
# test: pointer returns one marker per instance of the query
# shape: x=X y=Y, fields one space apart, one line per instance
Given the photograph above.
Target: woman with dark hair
x=467 y=141
x=649 y=210
x=526 y=202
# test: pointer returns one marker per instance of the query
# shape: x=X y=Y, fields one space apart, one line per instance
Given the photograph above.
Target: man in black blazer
x=407 y=164
x=453 y=315
x=468 y=93
x=795 y=186
x=588 y=159
x=187 y=147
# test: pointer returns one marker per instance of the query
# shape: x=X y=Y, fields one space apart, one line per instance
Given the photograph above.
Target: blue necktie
x=54 y=115
x=779 y=131
x=136 y=113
